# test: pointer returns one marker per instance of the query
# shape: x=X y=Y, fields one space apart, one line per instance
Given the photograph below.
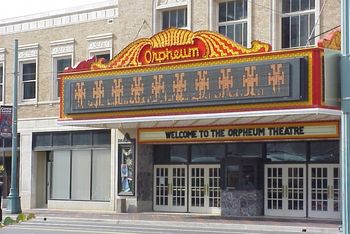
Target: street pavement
x=59 y=222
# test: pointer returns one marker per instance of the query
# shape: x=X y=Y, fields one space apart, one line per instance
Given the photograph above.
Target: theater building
x=205 y=125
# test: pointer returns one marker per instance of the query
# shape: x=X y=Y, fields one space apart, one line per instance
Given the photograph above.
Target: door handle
x=286 y=191
x=332 y=192
x=329 y=192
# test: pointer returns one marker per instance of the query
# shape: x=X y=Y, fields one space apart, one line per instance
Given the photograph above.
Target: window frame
x=55 y=74
x=276 y=26
x=101 y=52
x=159 y=9
x=233 y=22
x=21 y=82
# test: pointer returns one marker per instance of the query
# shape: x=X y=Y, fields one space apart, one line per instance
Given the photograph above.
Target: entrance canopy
x=183 y=78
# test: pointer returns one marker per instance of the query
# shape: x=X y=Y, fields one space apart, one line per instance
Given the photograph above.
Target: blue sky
x=15 y=8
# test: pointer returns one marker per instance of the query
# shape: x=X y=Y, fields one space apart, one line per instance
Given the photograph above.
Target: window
x=174 y=18
x=324 y=151
x=85 y=175
x=233 y=20
x=208 y=153
x=28 y=80
x=286 y=151
x=60 y=64
x=298 y=21
x=171 y=13
x=106 y=56
x=1 y=82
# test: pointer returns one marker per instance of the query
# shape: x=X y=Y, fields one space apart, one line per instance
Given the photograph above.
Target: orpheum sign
x=179 y=69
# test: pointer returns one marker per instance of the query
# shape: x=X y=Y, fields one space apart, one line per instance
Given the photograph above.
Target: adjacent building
x=170 y=114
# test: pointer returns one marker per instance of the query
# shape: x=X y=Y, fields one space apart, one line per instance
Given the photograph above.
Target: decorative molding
x=106 y=44
x=101 y=41
x=28 y=51
x=62 y=46
x=161 y=4
x=91 y=12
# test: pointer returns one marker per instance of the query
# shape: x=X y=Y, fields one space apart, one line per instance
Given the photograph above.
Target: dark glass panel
x=42 y=139
x=60 y=139
x=286 y=32
x=179 y=154
x=82 y=138
x=29 y=90
x=102 y=138
x=324 y=151
x=286 y=151
x=165 y=20
x=207 y=153
x=222 y=12
x=294 y=31
x=285 y=6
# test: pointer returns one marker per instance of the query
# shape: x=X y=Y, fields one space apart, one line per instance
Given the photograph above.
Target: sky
x=15 y=8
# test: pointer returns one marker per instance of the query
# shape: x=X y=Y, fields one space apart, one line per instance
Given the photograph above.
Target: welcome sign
x=240 y=132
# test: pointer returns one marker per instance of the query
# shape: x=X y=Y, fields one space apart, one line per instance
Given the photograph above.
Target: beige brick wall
x=330 y=17
x=261 y=20
x=200 y=17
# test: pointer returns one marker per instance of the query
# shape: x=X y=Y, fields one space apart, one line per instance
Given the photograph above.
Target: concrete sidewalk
x=192 y=220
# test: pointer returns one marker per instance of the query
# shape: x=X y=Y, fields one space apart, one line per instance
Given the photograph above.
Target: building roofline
x=60 y=12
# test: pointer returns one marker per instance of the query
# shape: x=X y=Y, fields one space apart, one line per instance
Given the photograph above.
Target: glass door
x=170 y=188
x=204 y=187
x=285 y=190
x=324 y=192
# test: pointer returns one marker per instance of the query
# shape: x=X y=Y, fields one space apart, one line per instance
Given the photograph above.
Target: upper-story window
x=298 y=22
x=105 y=55
x=100 y=46
x=62 y=53
x=28 y=75
x=233 y=20
x=60 y=63
x=171 y=13
x=28 y=80
x=174 y=18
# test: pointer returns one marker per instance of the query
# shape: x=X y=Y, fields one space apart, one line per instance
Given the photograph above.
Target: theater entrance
x=187 y=188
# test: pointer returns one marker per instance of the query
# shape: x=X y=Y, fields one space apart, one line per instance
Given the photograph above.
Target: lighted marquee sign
x=258 y=82
x=244 y=132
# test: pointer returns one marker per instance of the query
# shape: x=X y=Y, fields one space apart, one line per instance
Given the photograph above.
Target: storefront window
x=324 y=151
x=101 y=170
x=207 y=153
x=81 y=169
x=60 y=175
x=286 y=151
x=81 y=174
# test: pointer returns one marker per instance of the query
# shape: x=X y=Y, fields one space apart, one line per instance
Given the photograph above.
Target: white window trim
x=28 y=54
x=21 y=93
x=59 y=49
x=170 y=5
x=100 y=44
x=276 y=19
x=214 y=18
x=2 y=63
